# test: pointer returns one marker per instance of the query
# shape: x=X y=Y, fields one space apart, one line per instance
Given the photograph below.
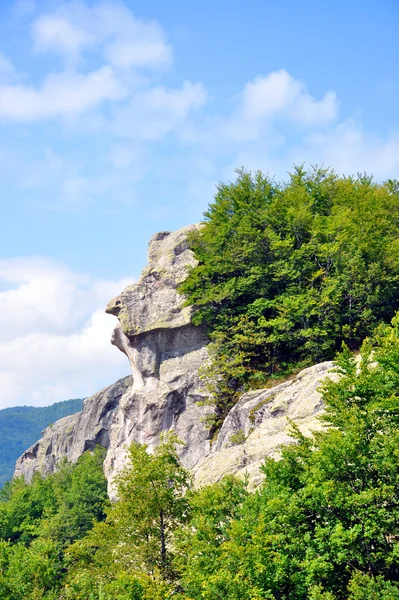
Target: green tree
x=32 y=573
x=81 y=498
x=325 y=523
x=286 y=272
x=151 y=504
x=199 y=544
x=131 y=554
x=61 y=506
x=40 y=519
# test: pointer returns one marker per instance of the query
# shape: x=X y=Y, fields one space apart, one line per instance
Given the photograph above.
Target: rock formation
x=165 y=351
x=71 y=436
x=260 y=423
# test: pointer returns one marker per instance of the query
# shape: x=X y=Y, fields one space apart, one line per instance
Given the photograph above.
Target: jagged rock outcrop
x=166 y=351
x=260 y=423
x=71 y=436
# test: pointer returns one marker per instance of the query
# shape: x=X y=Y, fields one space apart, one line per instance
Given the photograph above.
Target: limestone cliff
x=165 y=351
x=260 y=423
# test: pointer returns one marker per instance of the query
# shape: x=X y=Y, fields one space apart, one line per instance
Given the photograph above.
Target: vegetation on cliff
x=287 y=276
x=287 y=272
x=323 y=526
x=21 y=426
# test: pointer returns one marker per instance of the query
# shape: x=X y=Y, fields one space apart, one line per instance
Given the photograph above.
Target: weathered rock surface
x=166 y=351
x=260 y=423
x=71 y=436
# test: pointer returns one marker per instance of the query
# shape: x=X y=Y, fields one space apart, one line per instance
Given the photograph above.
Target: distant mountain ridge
x=21 y=426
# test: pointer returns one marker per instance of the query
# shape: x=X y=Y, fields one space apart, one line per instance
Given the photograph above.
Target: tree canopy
x=287 y=275
x=324 y=524
x=287 y=272
x=40 y=519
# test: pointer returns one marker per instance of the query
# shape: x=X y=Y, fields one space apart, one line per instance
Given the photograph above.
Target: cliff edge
x=165 y=351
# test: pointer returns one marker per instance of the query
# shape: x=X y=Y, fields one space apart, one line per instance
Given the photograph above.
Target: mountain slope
x=21 y=426
x=166 y=352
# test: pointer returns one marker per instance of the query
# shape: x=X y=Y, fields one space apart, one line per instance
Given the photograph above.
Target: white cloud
x=266 y=96
x=54 y=334
x=139 y=53
x=124 y=44
x=277 y=96
x=350 y=149
x=310 y=112
x=131 y=42
x=112 y=27
x=61 y=95
x=277 y=122
x=153 y=113
x=52 y=32
x=280 y=93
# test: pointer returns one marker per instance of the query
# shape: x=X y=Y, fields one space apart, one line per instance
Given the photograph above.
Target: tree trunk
x=162 y=537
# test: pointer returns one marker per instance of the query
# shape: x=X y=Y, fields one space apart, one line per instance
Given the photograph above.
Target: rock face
x=71 y=436
x=260 y=423
x=166 y=351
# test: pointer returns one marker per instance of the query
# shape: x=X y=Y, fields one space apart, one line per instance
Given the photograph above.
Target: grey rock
x=153 y=303
x=259 y=424
x=44 y=455
x=71 y=436
x=165 y=351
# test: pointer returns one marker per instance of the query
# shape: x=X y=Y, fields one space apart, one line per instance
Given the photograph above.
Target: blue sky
x=118 y=119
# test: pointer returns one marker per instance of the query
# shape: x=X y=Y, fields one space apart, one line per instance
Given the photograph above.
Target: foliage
x=238 y=437
x=29 y=572
x=152 y=503
x=287 y=272
x=325 y=523
x=40 y=519
x=200 y=544
x=21 y=426
x=131 y=554
x=286 y=275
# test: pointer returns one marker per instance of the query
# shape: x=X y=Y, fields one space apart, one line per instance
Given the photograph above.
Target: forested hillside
x=288 y=271
x=323 y=526
x=21 y=426
x=288 y=275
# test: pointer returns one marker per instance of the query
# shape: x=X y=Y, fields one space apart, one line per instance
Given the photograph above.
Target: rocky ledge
x=165 y=351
